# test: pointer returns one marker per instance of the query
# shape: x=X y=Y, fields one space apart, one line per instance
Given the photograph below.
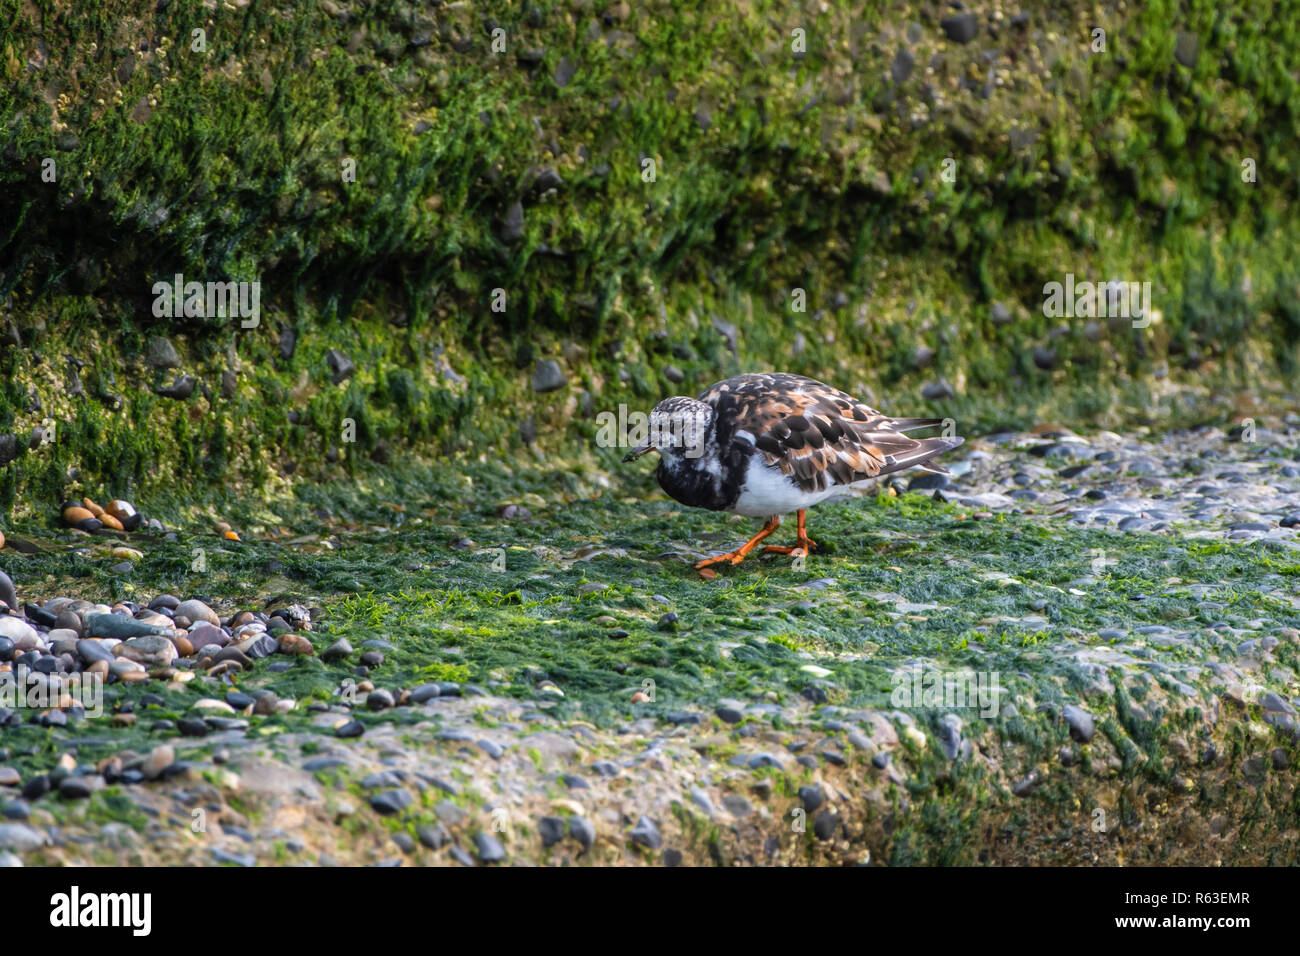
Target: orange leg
x=735 y=557
x=801 y=542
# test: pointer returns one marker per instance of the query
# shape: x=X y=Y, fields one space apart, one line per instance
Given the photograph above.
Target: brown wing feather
x=815 y=433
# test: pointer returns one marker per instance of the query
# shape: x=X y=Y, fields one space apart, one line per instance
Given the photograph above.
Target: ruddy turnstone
x=765 y=445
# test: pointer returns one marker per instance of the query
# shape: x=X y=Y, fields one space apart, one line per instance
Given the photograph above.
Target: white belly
x=767 y=492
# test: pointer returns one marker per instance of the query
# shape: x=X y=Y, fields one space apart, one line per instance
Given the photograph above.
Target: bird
x=765 y=444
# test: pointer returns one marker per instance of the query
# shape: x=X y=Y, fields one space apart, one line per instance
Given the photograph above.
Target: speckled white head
x=678 y=428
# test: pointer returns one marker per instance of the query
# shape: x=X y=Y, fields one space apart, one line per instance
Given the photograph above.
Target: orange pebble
x=72 y=515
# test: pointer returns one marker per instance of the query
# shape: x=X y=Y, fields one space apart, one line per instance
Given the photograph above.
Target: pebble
x=489 y=848
x=296 y=644
x=75 y=516
x=460 y=856
x=582 y=830
x=825 y=824
x=392 y=801
x=425 y=693
x=646 y=833
x=159 y=759
x=18 y=631
x=737 y=805
x=120 y=627
x=210 y=705
x=236 y=859
x=149 y=652
x=197 y=611
x=1080 y=723
x=339 y=650
x=434 y=837
x=341 y=367
x=352 y=728
x=552 y=830
x=78 y=788
x=21 y=837
x=201 y=635
x=949 y=735
x=232 y=654
x=8 y=593
x=812 y=797
x=261 y=647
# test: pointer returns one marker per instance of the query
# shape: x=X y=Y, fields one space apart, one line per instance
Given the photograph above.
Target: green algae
x=592 y=626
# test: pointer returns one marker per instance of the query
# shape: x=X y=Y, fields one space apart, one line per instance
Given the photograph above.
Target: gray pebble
x=391 y=801
x=582 y=831
x=489 y=848
x=646 y=833
x=1080 y=721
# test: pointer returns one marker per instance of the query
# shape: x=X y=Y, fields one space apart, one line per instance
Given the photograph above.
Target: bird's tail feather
x=925 y=449
x=907 y=424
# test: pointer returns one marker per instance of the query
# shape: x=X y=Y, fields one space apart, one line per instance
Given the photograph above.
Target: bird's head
x=678 y=427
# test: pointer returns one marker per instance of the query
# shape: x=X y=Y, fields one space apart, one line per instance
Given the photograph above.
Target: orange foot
x=735 y=557
x=802 y=543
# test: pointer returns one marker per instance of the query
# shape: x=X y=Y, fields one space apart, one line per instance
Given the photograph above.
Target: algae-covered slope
x=1096 y=667
x=454 y=210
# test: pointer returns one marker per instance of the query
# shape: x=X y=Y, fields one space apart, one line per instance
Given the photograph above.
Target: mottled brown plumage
x=817 y=435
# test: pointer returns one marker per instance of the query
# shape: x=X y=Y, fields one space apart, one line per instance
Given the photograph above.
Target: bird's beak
x=638 y=451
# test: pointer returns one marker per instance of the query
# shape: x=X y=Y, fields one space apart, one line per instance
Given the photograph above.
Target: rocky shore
x=1074 y=649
